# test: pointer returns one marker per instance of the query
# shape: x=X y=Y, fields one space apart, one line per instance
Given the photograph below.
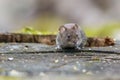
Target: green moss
x=30 y=30
x=108 y=29
x=9 y=78
x=50 y=25
x=91 y=32
x=105 y=30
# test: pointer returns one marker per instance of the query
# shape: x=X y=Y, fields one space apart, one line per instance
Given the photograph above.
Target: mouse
x=70 y=35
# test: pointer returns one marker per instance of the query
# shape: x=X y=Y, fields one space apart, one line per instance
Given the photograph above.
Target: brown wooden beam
x=50 y=39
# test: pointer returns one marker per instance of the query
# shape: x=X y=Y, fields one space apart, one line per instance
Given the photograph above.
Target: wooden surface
x=33 y=61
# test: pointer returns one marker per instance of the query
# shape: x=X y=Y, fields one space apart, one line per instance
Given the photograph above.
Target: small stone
x=2 y=54
x=10 y=59
x=25 y=48
x=84 y=70
x=89 y=73
x=56 y=61
x=116 y=48
x=11 y=49
x=75 y=55
x=89 y=49
x=114 y=39
x=114 y=61
x=42 y=74
x=65 y=61
x=77 y=62
x=110 y=46
x=16 y=73
x=65 y=56
x=75 y=68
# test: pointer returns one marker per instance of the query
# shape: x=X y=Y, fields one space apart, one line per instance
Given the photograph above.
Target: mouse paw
x=58 y=48
x=78 y=48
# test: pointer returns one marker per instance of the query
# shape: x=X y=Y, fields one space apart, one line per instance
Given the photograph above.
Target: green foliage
x=9 y=78
x=109 y=29
x=30 y=30
x=49 y=25
x=91 y=32
x=105 y=30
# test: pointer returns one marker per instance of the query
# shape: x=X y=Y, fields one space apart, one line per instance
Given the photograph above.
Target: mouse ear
x=62 y=29
x=75 y=27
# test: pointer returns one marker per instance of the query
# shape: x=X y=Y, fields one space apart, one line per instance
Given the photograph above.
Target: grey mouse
x=70 y=36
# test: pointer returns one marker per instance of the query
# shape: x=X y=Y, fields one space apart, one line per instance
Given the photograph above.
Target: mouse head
x=69 y=32
x=68 y=27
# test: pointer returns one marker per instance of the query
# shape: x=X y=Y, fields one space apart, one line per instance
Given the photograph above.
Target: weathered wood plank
x=50 y=39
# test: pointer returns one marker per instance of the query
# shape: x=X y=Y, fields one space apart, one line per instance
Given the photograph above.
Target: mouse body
x=70 y=36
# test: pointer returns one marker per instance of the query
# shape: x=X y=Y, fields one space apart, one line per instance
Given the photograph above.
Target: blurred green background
x=98 y=18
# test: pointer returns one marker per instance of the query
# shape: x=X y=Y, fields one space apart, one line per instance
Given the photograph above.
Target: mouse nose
x=68 y=36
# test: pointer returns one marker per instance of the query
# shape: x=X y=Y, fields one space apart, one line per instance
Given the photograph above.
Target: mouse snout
x=69 y=38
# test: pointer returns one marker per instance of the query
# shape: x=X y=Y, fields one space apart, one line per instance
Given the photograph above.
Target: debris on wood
x=100 y=42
